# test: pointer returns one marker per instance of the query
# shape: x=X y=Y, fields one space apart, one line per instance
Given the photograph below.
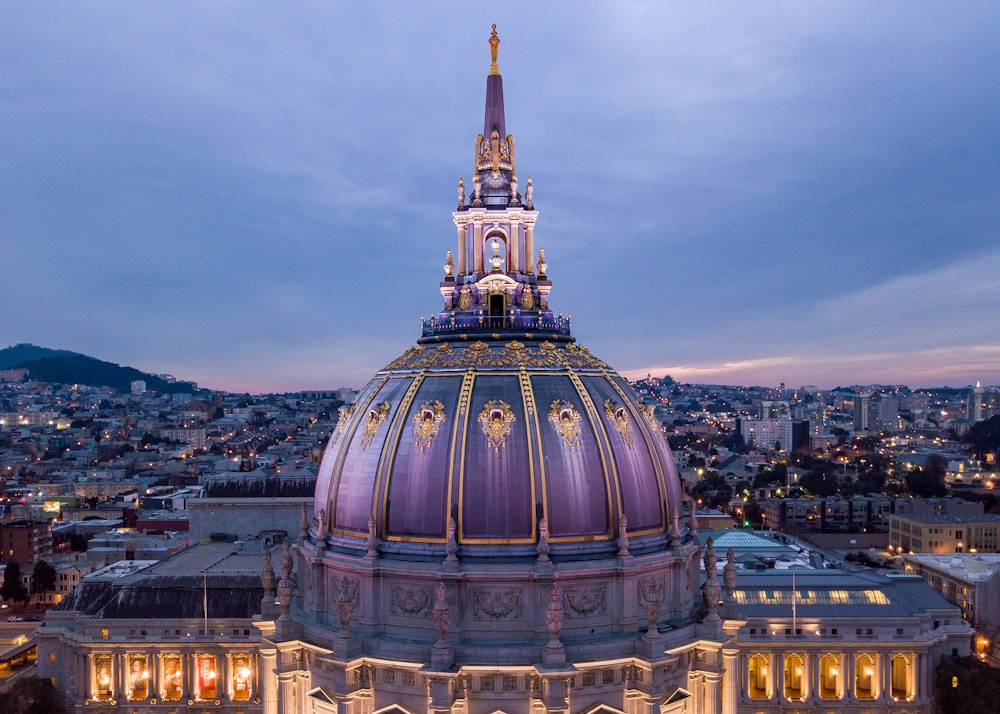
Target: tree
x=78 y=543
x=929 y=480
x=819 y=483
x=11 y=589
x=964 y=684
x=32 y=695
x=43 y=578
x=985 y=437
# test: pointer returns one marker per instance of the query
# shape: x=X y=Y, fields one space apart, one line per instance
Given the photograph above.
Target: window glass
x=138 y=677
x=173 y=678
x=104 y=673
x=206 y=674
x=242 y=677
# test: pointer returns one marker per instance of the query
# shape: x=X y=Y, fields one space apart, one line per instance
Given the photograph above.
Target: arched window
x=829 y=677
x=757 y=677
x=795 y=677
x=865 y=679
x=899 y=677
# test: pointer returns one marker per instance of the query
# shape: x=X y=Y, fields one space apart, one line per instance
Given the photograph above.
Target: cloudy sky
x=257 y=196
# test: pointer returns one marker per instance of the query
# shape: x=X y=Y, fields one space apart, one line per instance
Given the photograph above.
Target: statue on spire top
x=494 y=44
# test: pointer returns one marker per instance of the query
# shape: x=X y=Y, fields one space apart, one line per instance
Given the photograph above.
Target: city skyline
x=260 y=201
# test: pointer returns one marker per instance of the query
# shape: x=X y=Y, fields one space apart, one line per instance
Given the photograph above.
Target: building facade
x=917 y=533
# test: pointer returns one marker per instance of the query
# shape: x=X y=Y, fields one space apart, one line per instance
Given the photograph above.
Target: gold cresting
x=494 y=44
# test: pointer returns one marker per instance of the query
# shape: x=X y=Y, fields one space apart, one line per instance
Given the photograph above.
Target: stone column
x=514 y=248
x=920 y=686
x=850 y=676
x=710 y=693
x=477 y=247
x=266 y=673
x=779 y=673
x=286 y=691
x=462 y=248
x=730 y=680
x=814 y=672
x=529 y=248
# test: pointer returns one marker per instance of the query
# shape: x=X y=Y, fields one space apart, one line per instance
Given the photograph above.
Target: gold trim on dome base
x=496 y=418
x=510 y=355
x=427 y=422
x=566 y=420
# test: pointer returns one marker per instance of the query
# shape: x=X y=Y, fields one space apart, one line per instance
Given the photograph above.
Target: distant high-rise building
x=974 y=405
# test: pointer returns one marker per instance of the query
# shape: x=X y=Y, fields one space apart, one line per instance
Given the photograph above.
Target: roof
x=176 y=588
x=959 y=566
x=949 y=518
x=836 y=594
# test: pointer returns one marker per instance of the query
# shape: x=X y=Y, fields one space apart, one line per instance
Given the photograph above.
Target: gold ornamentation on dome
x=496 y=419
x=427 y=422
x=373 y=420
x=515 y=345
x=465 y=298
x=617 y=415
x=566 y=420
x=527 y=298
x=445 y=347
x=543 y=354
x=345 y=414
x=649 y=411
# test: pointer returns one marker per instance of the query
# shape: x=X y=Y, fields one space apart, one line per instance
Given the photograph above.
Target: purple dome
x=497 y=435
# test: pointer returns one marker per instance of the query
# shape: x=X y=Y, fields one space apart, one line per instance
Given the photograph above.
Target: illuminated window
x=900 y=677
x=173 y=678
x=795 y=670
x=206 y=676
x=829 y=677
x=864 y=677
x=757 y=676
x=138 y=677
x=242 y=678
x=104 y=672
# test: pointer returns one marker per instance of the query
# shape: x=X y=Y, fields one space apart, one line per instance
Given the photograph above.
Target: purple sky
x=258 y=196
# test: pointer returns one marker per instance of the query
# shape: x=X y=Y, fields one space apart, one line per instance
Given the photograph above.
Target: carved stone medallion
x=410 y=601
x=585 y=601
x=496 y=604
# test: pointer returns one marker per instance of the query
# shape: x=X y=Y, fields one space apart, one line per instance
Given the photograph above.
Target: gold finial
x=494 y=44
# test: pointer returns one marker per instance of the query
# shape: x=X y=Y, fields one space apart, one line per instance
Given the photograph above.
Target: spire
x=494 y=94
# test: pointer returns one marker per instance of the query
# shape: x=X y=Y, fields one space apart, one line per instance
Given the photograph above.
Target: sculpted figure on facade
x=554 y=614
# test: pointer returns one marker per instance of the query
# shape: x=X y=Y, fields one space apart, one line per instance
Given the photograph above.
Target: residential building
x=925 y=533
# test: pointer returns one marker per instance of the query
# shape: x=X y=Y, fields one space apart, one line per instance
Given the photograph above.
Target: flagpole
x=794 y=597
x=204 y=602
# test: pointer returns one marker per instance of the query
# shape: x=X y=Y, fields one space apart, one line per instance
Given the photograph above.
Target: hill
x=13 y=356
x=65 y=367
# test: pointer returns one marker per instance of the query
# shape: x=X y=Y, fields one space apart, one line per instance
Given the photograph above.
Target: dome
x=497 y=434
x=497 y=494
